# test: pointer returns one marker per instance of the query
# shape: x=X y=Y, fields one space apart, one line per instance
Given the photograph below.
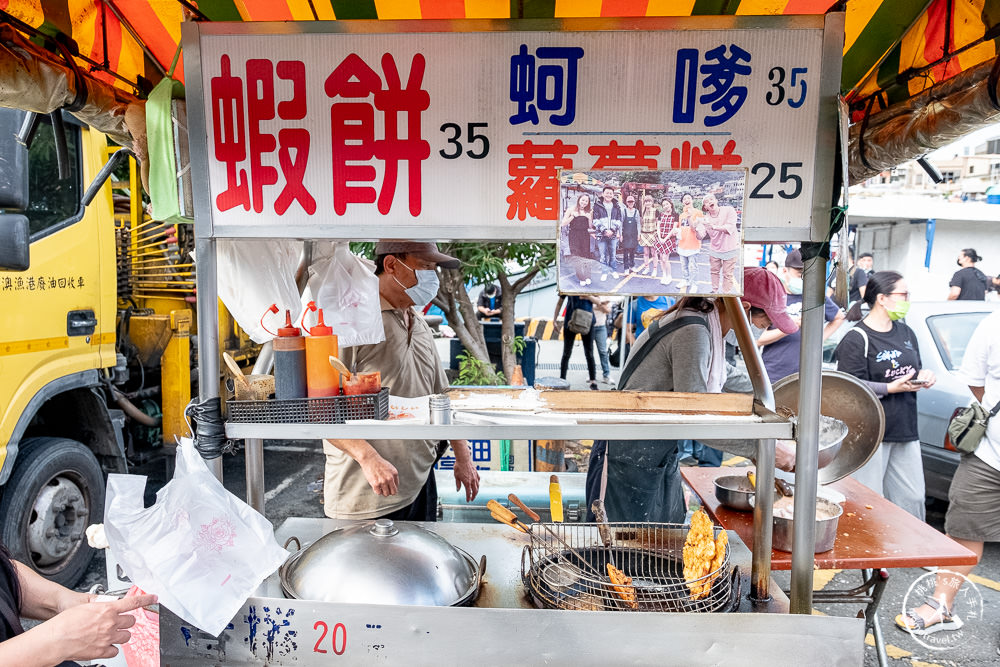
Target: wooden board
x=621 y=401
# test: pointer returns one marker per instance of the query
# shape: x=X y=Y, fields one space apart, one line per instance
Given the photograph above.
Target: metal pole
x=807 y=449
x=254 y=454
x=208 y=329
x=760 y=566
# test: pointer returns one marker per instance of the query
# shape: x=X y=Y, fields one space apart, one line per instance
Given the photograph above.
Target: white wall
x=901 y=246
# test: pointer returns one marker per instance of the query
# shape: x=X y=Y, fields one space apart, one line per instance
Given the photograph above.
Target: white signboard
x=462 y=135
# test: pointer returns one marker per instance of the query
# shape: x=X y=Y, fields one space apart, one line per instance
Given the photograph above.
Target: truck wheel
x=55 y=491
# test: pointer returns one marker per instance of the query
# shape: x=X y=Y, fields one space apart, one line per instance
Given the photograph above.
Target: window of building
x=53 y=203
x=949 y=176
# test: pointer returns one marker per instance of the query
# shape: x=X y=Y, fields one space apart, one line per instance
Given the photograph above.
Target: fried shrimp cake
x=699 y=554
x=721 y=544
x=622 y=586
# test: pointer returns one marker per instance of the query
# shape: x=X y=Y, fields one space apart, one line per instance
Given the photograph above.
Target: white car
x=943 y=329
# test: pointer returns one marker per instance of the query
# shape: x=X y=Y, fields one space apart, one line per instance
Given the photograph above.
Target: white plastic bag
x=347 y=291
x=254 y=274
x=199 y=548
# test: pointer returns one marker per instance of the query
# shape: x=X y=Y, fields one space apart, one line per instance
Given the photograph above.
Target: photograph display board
x=652 y=232
x=320 y=130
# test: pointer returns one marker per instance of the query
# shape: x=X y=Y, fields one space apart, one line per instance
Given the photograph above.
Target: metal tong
x=506 y=516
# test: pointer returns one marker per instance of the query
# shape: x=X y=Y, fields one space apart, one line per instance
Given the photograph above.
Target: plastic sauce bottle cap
x=320 y=328
x=288 y=330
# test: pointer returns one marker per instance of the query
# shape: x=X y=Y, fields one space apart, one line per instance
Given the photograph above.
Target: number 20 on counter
x=338 y=638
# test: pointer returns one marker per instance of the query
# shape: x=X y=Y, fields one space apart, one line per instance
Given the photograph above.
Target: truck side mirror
x=15 y=242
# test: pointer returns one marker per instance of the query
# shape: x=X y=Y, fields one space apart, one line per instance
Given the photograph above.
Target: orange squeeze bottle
x=321 y=378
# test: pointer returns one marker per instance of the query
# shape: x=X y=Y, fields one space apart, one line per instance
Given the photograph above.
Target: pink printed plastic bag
x=199 y=548
x=143 y=649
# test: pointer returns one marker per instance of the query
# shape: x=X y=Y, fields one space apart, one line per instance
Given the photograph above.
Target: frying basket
x=564 y=576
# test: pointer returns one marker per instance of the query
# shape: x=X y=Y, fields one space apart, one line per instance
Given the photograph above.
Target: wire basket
x=564 y=567
x=326 y=410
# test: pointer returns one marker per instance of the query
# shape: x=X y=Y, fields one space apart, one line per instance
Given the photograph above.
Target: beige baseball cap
x=426 y=250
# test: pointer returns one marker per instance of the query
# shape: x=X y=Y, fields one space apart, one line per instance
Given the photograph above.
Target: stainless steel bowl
x=851 y=401
x=735 y=492
x=383 y=562
x=826 y=529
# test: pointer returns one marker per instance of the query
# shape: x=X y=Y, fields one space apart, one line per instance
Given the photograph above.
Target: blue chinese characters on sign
x=545 y=81
x=718 y=82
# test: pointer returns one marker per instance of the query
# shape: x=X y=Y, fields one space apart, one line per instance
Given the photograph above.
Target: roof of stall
x=894 y=49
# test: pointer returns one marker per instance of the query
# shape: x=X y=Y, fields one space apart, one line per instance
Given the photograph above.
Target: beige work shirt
x=410 y=367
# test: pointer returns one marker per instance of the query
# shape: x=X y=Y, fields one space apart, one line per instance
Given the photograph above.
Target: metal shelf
x=725 y=428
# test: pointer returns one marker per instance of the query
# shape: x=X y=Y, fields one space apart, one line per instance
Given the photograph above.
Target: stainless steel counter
x=503 y=627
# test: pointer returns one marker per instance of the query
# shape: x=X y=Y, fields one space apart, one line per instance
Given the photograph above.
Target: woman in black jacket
x=569 y=337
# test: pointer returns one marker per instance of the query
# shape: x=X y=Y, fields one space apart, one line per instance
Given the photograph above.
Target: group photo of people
x=652 y=232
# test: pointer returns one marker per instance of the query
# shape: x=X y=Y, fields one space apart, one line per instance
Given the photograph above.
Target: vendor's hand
x=381 y=475
x=899 y=385
x=89 y=631
x=466 y=475
x=784 y=456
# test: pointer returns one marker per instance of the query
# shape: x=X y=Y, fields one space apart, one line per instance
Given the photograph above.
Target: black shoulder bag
x=656 y=332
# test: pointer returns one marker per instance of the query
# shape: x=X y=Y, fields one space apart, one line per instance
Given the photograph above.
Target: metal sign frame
x=825 y=146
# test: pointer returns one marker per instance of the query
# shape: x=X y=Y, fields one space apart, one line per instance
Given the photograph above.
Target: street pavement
x=293 y=481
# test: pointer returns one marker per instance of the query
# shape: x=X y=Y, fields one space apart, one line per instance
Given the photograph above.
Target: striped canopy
x=894 y=49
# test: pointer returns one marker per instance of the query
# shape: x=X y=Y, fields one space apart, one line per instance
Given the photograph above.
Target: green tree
x=484 y=263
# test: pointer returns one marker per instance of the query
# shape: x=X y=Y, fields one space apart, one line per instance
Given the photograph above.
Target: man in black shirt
x=968 y=283
x=488 y=304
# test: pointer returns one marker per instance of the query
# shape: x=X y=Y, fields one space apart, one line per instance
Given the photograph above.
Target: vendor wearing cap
x=366 y=479
x=639 y=480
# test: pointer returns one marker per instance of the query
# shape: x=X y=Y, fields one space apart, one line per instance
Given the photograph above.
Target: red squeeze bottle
x=321 y=378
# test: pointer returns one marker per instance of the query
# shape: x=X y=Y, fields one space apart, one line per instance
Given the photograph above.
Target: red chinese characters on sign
x=353 y=131
x=636 y=156
x=534 y=184
x=239 y=133
x=689 y=157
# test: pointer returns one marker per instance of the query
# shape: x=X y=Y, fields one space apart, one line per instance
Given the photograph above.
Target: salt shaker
x=440 y=408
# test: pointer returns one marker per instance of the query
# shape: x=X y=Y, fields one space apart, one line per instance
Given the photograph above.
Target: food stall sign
x=459 y=129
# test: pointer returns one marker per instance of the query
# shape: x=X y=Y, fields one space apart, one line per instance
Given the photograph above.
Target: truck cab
x=96 y=313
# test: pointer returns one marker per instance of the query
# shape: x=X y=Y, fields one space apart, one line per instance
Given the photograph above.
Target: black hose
x=209 y=429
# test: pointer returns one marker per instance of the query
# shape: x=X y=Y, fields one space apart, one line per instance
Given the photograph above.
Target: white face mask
x=426 y=288
x=755 y=331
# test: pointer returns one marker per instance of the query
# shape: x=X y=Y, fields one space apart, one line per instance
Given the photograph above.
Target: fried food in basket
x=721 y=544
x=623 y=586
x=699 y=554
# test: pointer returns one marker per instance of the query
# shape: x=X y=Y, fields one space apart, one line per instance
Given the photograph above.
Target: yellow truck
x=96 y=320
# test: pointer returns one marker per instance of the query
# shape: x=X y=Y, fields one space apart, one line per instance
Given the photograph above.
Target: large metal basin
x=850 y=400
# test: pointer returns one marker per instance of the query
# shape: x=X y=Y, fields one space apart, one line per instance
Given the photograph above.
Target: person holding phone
x=882 y=351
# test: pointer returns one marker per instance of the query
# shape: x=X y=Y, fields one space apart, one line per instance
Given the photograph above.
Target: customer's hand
x=381 y=475
x=90 y=631
x=901 y=384
x=928 y=377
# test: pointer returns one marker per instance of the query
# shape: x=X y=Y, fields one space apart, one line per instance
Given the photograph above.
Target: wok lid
x=382 y=562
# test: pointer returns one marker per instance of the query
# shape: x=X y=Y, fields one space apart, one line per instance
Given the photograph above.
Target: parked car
x=943 y=329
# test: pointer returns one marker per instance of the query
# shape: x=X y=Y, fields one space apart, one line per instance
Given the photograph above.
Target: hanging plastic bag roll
x=254 y=274
x=347 y=291
x=198 y=547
